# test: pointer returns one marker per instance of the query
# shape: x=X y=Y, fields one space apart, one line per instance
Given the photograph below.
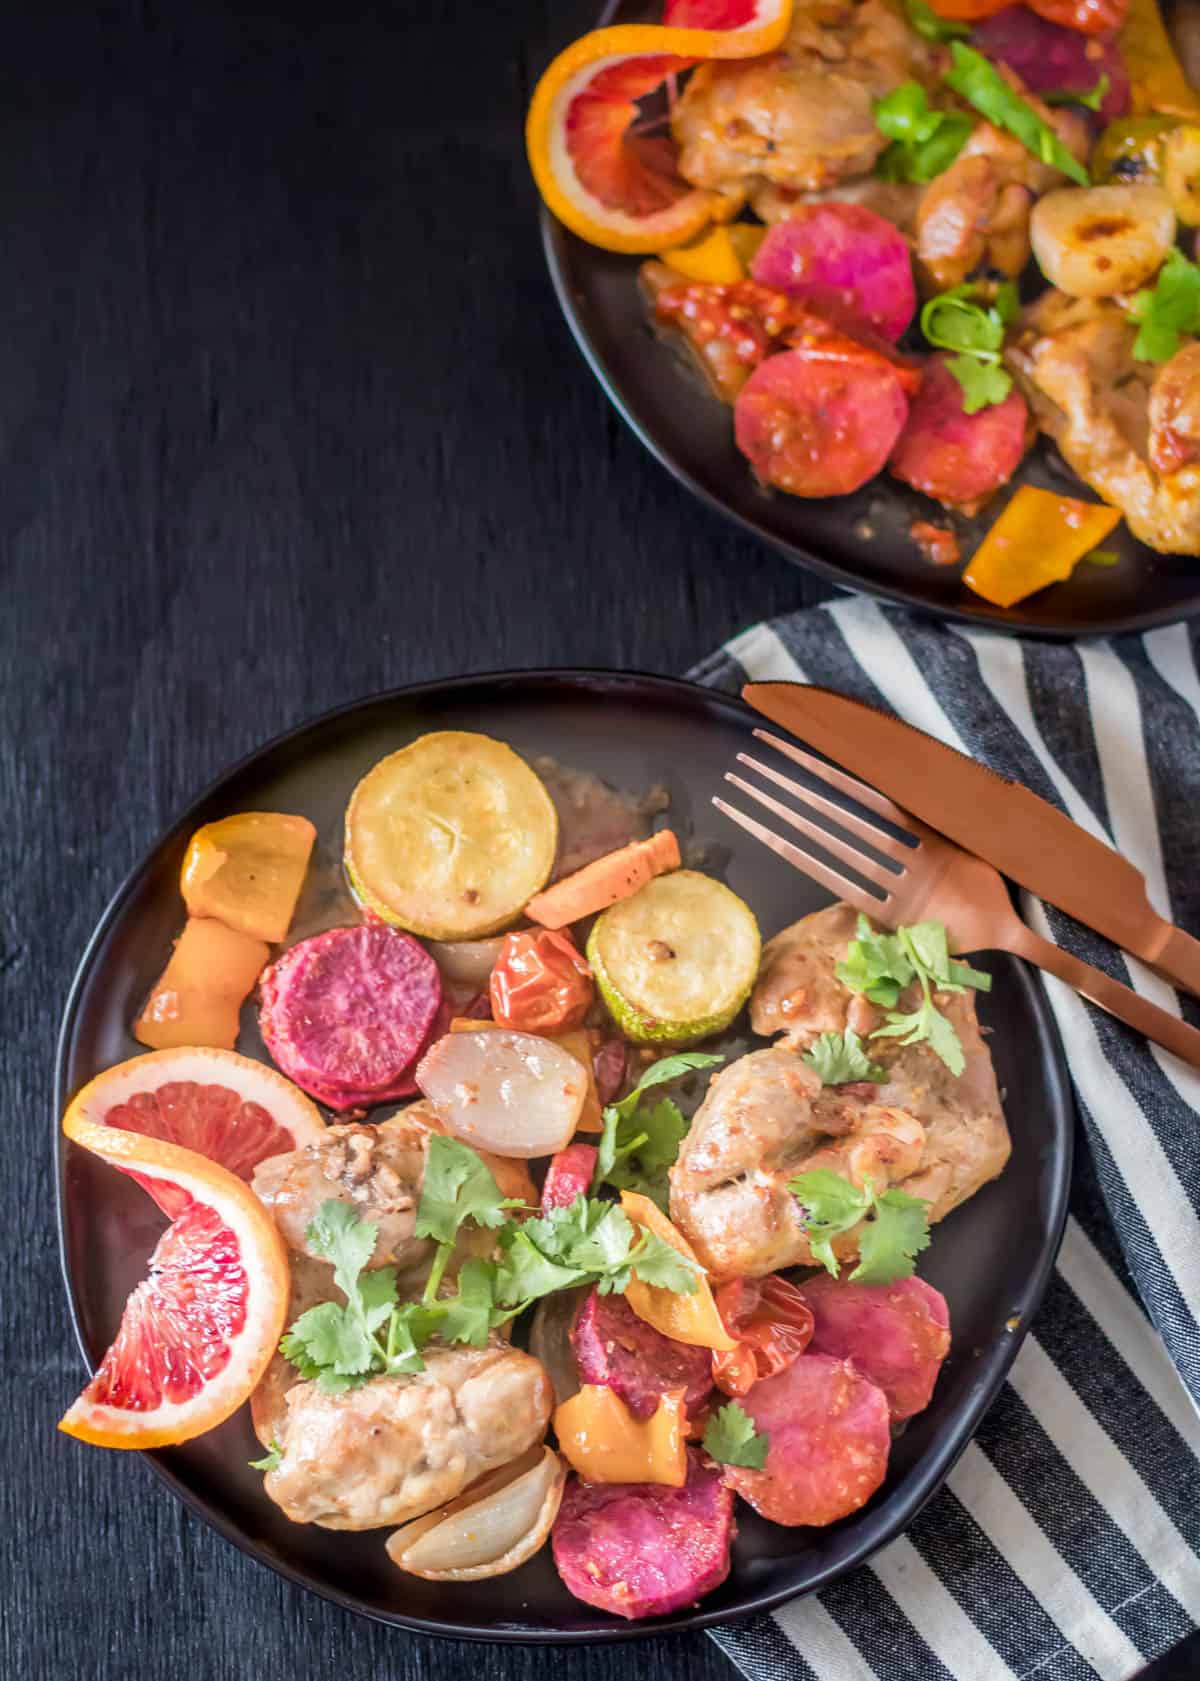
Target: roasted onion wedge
x=490 y=1529
x=514 y=1094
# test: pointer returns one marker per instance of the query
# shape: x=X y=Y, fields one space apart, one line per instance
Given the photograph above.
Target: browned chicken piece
x=398 y=1446
x=375 y=1169
x=312 y=1283
x=1128 y=429
x=973 y=218
x=766 y=1117
x=895 y=201
x=802 y=117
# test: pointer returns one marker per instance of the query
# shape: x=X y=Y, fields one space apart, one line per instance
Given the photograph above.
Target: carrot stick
x=604 y=881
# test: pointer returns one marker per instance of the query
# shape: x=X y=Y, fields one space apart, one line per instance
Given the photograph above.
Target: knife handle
x=1119 y=1000
x=1178 y=957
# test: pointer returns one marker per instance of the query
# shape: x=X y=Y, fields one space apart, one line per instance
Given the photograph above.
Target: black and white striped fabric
x=1066 y=1544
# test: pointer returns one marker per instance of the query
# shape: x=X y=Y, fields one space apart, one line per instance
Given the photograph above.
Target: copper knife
x=1024 y=836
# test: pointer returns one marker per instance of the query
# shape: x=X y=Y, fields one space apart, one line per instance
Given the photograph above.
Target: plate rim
x=922 y=1485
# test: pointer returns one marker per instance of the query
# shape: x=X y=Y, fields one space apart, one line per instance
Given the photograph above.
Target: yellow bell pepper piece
x=1039 y=539
x=600 y=1438
x=692 y=1319
x=248 y=871
x=577 y=1044
x=1156 y=79
x=712 y=258
x=746 y=238
x=200 y=992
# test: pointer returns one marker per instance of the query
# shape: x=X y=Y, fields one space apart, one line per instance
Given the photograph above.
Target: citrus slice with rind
x=227 y=1107
x=199 y=1331
x=613 y=188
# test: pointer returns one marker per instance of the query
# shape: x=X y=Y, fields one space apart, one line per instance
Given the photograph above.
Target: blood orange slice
x=224 y=1106
x=197 y=1334
x=614 y=188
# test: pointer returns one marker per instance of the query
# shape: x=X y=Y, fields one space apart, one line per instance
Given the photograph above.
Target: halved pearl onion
x=514 y=1094
x=488 y=1531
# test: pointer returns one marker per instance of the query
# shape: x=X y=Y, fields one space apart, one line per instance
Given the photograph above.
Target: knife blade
x=1001 y=821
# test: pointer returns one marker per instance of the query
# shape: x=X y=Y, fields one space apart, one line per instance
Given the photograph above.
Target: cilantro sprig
x=840 y=1058
x=270 y=1461
x=641 y=1139
x=926 y=22
x=590 y=1243
x=1092 y=98
x=1167 y=309
x=881 y=966
x=895 y=1233
x=923 y=142
x=977 y=80
x=954 y=320
x=730 y=1437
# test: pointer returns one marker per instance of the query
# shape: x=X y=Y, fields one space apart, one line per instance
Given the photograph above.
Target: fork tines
x=860 y=861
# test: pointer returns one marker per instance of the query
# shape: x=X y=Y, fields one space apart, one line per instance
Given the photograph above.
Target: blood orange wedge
x=614 y=188
x=197 y=1334
x=222 y=1105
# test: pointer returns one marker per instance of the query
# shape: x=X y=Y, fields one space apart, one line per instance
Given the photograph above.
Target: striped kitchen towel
x=1066 y=1543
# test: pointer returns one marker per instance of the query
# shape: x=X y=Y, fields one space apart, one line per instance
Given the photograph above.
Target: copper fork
x=929 y=878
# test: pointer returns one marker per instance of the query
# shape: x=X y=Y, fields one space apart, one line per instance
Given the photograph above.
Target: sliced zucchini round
x=450 y=837
x=676 y=961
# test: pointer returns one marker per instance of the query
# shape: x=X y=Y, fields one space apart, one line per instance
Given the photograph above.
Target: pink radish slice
x=1051 y=59
x=818 y=428
x=569 y=1176
x=512 y=1093
x=640 y=1549
x=896 y=1334
x=960 y=459
x=615 y=1348
x=847 y=261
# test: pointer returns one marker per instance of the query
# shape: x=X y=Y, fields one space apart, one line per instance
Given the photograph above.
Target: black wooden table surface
x=286 y=415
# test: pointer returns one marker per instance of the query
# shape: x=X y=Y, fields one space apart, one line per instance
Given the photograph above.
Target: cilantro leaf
x=606 y=1246
x=888 y=1244
x=377 y=1295
x=467 y=1316
x=656 y=1262
x=525 y=1274
x=458 y=1186
x=731 y=1439
x=340 y=1234
x=1093 y=98
x=880 y=966
x=895 y=1226
x=876 y=965
x=270 y=1461
x=955 y=321
x=640 y=1140
x=924 y=142
x=926 y=22
x=1167 y=309
x=978 y=81
x=332 y=1336
x=983 y=383
x=840 y=1057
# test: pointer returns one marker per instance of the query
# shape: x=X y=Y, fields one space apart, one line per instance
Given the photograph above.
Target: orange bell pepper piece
x=601 y=1439
x=199 y=994
x=1156 y=79
x=248 y=871
x=713 y=258
x=1039 y=539
x=692 y=1319
x=577 y=1044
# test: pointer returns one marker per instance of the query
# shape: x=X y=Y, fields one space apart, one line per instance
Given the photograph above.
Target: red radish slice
x=640 y=1549
x=1052 y=59
x=895 y=1334
x=829 y=1435
x=511 y=1093
x=348 y=1011
x=846 y=261
x=960 y=459
x=569 y=1176
x=819 y=428
x=224 y=1106
x=615 y=1348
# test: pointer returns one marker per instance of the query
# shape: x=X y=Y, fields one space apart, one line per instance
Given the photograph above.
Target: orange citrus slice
x=224 y=1106
x=198 y=1333
x=613 y=188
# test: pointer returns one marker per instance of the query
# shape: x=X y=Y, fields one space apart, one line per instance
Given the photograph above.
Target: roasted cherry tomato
x=968 y=11
x=773 y=1324
x=1089 y=17
x=540 y=983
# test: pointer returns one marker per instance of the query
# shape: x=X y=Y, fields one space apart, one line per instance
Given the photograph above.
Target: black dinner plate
x=860 y=541
x=991 y=1258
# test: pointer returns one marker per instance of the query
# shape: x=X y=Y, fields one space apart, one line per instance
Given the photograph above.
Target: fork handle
x=1119 y=1000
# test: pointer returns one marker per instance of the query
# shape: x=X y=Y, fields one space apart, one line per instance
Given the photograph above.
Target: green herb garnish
x=1165 y=310
x=731 y=1439
x=841 y=1057
x=923 y=142
x=897 y=1227
x=590 y=1243
x=270 y=1461
x=1094 y=98
x=954 y=321
x=926 y=22
x=881 y=965
x=978 y=81
x=641 y=1139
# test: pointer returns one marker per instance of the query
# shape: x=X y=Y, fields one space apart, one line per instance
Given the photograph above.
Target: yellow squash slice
x=450 y=837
